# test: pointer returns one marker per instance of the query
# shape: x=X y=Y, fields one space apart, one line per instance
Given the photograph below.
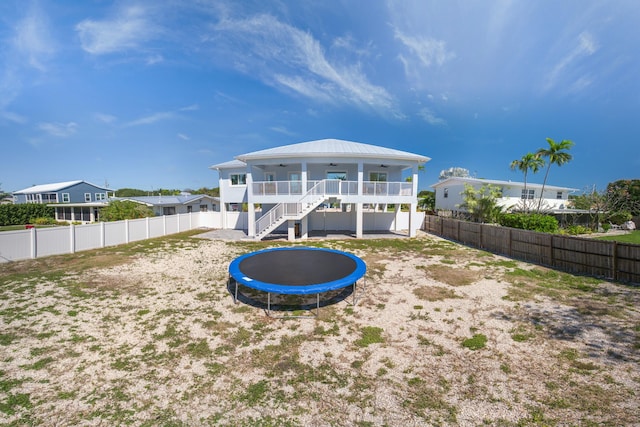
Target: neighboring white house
x=554 y=200
x=320 y=185
x=171 y=205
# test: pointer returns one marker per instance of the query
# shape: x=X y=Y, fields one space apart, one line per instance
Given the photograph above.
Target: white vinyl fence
x=40 y=242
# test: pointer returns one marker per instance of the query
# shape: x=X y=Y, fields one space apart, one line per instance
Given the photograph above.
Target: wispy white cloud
x=61 y=130
x=13 y=117
x=161 y=116
x=289 y=58
x=154 y=59
x=152 y=118
x=429 y=116
x=128 y=30
x=427 y=50
x=183 y=137
x=586 y=46
x=283 y=130
x=193 y=107
x=29 y=46
x=33 y=39
x=105 y=118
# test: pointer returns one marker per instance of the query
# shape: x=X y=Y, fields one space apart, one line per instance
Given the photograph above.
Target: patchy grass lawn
x=632 y=237
x=147 y=334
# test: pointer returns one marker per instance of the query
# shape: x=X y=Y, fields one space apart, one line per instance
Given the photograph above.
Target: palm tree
x=529 y=162
x=557 y=155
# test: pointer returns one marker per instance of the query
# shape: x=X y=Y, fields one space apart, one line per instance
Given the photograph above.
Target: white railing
x=333 y=187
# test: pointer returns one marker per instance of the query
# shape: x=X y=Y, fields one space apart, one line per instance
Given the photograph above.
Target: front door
x=295 y=183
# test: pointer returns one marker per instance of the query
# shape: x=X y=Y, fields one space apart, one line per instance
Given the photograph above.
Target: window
x=269 y=176
x=238 y=179
x=65 y=198
x=100 y=196
x=378 y=176
x=87 y=197
x=528 y=194
x=342 y=176
x=446 y=193
x=189 y=209
x=169 y=210
x=204 y=208
x=48 y=198
x=559 y=195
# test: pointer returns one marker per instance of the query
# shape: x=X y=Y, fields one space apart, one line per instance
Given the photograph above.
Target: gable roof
x=56 y=186
x=333 y=148
x=468 y=180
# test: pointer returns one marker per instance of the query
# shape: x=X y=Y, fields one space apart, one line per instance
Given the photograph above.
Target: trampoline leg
x=355 y=296
x=318 y=305
x=235 y=298
x=269 y=304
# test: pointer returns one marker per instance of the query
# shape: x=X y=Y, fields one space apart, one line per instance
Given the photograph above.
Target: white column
x=303 y=176
x=359 y=220
x=414 y=205
x=397 y=211
x=360 y=177
x=413 y=218
x=291 y=230
x=251 y=220
x=72 y=238
x=304 y=228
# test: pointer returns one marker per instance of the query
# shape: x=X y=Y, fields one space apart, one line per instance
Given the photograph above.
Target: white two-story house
x=322 y=185
x=514 y=194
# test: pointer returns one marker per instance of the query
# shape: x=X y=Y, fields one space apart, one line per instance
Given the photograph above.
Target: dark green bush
x=24 y=213
x=535 y=222
x=619 y=217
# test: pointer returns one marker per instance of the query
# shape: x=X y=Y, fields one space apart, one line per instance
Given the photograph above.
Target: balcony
x=346 y=190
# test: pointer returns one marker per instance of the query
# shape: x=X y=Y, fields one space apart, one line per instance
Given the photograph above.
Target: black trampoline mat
x=297 y=267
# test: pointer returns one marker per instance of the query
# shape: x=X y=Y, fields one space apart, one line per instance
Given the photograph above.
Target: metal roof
x=232 y=164
x=469 y=180
x=56 y=186
x=333 y=148
x=166 y=200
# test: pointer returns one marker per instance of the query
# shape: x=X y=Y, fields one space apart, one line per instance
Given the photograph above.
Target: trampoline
x=297 y=271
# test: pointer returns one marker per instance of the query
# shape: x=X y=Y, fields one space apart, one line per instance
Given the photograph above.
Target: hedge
x=24 y=213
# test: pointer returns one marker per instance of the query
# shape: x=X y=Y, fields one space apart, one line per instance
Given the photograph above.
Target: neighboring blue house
x=75 y=201
x=62 y=192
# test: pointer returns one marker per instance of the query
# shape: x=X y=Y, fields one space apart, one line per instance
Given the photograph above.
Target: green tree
x=624 y=195
x=131 y=192
x=213 y=192
x=427 y=200
x=482 y=204
x=556 y=154
x=119 y=210
x=529 y=162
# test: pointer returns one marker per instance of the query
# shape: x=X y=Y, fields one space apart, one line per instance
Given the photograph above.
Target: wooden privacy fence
x=608 y=259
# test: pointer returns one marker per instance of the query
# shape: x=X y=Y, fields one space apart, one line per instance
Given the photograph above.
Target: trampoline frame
x=238 y=276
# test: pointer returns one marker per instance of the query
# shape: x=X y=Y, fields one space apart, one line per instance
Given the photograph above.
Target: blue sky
x=149 y=94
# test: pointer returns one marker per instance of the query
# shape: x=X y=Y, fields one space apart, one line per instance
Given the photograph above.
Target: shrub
x=532 y=221
x=24 y=213
x=476 y=342
x=620 y=217
x=577 y=229
x=43 y=221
